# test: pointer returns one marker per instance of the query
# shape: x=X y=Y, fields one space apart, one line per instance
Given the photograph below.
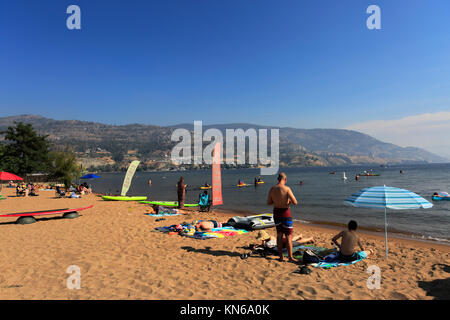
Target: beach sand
x=120 y=257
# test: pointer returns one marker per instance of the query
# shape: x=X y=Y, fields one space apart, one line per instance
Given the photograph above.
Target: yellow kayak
x=205 y=188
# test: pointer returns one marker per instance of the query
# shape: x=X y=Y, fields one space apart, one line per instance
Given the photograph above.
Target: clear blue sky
x=287 y=63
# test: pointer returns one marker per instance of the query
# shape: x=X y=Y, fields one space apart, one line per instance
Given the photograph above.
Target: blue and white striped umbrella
x=383 y=197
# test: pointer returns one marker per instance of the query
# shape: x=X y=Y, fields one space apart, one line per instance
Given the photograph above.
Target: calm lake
x=320 y=197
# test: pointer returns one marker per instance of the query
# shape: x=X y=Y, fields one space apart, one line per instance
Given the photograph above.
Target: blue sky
x=303 y=64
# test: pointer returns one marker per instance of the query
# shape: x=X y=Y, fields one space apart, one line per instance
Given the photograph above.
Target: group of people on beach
x=26 y=190
x=281 y=198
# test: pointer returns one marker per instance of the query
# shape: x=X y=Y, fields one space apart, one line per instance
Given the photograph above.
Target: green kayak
x=120 y=198
x=168 y=203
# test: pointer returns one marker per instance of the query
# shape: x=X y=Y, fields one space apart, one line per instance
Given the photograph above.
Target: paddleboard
x=168 y=203
x=260 y=182
x=242 y=185
x=205 y=188
x=123 y=198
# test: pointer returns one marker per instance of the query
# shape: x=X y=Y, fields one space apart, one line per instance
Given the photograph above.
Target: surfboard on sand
x=28 y=217
x=122 y=198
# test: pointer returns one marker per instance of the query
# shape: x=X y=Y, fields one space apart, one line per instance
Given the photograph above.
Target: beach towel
x=332 y=261
x=163 y=214
x=188 y=230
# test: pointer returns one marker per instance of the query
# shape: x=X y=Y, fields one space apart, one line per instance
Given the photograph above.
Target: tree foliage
x=24 y=150
x=64 y=167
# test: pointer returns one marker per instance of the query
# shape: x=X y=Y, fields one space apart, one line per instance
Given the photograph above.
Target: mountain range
x=111 y=147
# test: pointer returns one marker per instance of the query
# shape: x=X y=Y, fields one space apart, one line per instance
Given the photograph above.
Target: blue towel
x=332 y=261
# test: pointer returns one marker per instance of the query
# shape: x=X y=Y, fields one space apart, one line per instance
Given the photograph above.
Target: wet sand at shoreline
x=120 y=257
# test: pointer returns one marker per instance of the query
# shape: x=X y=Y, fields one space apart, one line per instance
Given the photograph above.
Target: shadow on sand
x=216 y=253
x=37 y=220
x=439 y=288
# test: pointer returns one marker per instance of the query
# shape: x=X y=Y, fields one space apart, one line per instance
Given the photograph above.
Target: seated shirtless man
x=208 y=225
x=349 y=241
x=281 y=196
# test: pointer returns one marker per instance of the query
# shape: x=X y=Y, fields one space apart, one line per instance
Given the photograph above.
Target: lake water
x=320 y=197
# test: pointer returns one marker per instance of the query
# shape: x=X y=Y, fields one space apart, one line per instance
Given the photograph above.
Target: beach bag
x=310 y=257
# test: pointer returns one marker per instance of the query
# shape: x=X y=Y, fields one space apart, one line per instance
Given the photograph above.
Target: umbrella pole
x=385 y=234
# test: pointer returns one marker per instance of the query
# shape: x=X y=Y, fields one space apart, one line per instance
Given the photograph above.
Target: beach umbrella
x=383 y=197
x=6 y=176
x=90 y=176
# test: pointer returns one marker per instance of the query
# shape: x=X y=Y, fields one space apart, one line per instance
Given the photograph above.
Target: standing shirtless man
x=281 y=196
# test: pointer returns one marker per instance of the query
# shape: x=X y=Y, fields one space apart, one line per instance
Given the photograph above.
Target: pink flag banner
x=216 y=177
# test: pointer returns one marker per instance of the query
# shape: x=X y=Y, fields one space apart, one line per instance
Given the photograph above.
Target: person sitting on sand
x=208 y=225
x=270 y=242
x=33 y=190
x=19 y=190
x=74 y=195
x=348 y=243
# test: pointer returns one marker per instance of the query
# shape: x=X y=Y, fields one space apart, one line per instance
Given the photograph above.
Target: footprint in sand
x=310 y=290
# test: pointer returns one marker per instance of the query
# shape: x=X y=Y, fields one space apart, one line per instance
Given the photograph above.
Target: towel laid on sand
x=188 y=230
x=329 y=261
x=163 y=214
x=332 y=261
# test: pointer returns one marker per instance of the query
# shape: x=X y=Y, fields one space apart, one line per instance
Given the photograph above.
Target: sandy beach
x=120 y=257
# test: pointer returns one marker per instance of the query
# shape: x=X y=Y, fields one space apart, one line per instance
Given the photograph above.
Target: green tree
x=2 y=154
x=64 y=167
x=24 y=151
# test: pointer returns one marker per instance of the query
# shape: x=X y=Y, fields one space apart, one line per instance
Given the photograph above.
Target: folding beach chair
x=204 y=202
x=60 y=193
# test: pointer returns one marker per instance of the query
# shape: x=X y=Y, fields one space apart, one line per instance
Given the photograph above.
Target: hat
x=262 y=235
